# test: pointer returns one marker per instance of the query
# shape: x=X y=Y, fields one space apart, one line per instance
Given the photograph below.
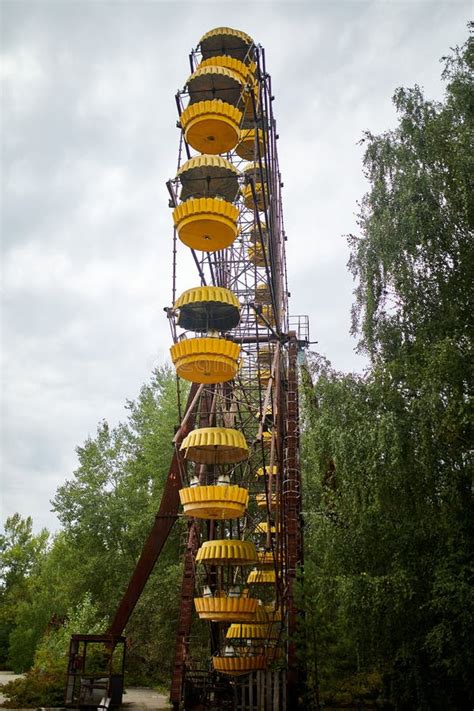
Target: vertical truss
x=235 y=467
x=262 y=403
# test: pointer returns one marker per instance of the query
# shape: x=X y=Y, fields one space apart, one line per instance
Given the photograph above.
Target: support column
x=185 y=615
x=292 y=520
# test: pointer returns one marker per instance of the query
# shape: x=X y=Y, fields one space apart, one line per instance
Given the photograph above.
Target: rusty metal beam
x=186 y=607
x=292 y=521
x=185 y=615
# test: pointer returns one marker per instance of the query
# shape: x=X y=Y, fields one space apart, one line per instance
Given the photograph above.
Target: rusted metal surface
x=205 y=401
x=292 y=514
x=185 y=615
x=87 y=683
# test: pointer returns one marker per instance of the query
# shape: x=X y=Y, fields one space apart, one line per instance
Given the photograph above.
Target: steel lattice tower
x=254 y=500
x=235 y=469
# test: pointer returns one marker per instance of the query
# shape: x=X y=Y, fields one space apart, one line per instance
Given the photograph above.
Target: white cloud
x=88 y=141
x=23 y=79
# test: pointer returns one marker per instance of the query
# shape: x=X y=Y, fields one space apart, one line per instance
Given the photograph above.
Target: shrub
x=43 y=685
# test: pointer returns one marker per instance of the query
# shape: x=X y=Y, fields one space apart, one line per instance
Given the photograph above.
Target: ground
x=135 y=699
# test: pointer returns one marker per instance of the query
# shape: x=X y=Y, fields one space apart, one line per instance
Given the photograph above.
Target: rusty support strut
x=185 y=615
x=292 y=512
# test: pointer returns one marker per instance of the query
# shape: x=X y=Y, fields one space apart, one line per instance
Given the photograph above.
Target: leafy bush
x=43 y=685
x=36 y=688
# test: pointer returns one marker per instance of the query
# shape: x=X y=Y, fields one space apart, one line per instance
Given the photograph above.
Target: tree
x=413 y=309
x=20 y=551
x=108 y=507
x=44 y=682
x=21 y=554
x=413 y=259
x=53 y=588
x=387 y=454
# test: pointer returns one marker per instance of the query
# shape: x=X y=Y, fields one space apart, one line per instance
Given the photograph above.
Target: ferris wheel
x=239 y=466
x=235 y=475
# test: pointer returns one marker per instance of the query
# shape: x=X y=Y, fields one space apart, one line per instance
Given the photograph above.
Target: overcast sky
x=88 y=140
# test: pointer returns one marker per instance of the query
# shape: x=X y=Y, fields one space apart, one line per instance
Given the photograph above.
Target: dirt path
x=6 y=676
x=134 y=699
x=141 y=698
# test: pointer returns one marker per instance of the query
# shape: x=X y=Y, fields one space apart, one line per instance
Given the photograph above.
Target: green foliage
x=19 y=551
x=387 y=465
x=106 y=510
x=35 y=690
x=21 y=557
x=51 y=653
x=43 y=684
x=55 y=585
x=389 y=579
x=108 y=506
x=152 y=628
x=413 y=260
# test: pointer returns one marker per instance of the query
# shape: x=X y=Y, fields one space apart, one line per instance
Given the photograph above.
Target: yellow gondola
x=211 y=126
x=238 y=665
x=259 y=631
x=205 y=360
x=214 y=502
x=263 y=528
x=251 y=144
x=258 y=175
x=248 y=197
x=261 y=471
x=265 y=356
x=261 y=500
x=273 y=612
x=211 y=82
x=266 y=558
x=226 y=41
x=247 y=630
x=227 y=552
x=266 y=314
x=206 y=224
x=264 y=375
x=263 y=294
x=255 y=254
x=207 y=308
x=245 y=71
x=226 y=609
x=251 y=107
x=215 y=445
x=261 y=577
x=258 y=234
x=208 y=176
